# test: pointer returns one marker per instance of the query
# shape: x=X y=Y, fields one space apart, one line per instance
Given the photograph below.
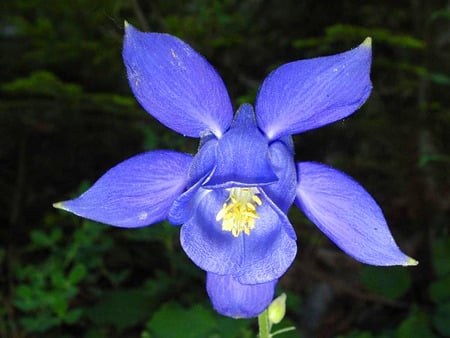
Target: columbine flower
x=232 y=197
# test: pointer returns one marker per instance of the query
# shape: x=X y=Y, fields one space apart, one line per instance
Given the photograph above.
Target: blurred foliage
x=67 y=115
x=390 y=282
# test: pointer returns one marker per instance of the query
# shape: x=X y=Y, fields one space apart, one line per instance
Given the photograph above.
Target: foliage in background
x=66 y=115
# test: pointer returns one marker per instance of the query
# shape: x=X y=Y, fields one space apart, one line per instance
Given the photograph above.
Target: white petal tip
x=367 y=42
x=411 y=262
x=59 y=205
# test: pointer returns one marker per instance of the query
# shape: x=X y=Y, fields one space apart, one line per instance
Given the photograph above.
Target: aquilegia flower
x=232 y=197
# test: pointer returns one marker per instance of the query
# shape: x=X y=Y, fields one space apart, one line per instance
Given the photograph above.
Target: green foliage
x=390 y=282
x=42 y=83
x=394 y=283
x=380 y=35
x=417 y=325
x=224 y=22
x=46 y=289
x=172 y=320
x=121 y=309
x=440 y=253
x=342 y=32
x=439 y=289
x=440 y=14
x=440 y=319
x=429 y=158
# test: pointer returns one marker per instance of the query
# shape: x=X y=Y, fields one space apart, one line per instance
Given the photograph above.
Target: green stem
x=264 y=325
x=286 y=329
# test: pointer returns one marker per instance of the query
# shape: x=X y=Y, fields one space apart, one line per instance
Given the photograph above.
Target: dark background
x=67 y=115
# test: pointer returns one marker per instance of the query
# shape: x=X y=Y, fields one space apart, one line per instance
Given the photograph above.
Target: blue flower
x=232 y=197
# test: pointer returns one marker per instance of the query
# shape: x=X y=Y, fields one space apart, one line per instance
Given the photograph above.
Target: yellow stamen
x=238 y=213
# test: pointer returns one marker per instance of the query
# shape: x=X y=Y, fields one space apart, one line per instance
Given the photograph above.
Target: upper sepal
x=308 y=94
x=175 y=84
x=136 y=192
x=347 y=214
x=242 y=155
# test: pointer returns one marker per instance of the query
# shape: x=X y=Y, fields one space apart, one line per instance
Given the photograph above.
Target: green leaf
x=440 y=251
x=439 y=78
x=441 y=319
x=173 y=321
x=40 y=238
x=25 y=298
x=426 y=159
x=59 y=303
x=440 y=290
x=40 y=323
x=58 y=279
x=73 y=316
x=415 y=326
x=378 y=34
x=77 y=273
x=42 y=83
x=440 y=14
x=121 y=308
x=390 y=282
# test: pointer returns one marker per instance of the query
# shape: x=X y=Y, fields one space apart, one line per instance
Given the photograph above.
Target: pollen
x=238 y=213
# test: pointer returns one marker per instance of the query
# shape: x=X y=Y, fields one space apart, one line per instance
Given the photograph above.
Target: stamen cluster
x=238 y=213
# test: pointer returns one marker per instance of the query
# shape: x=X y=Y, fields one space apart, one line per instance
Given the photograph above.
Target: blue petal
x=136 y=192
x=200 y=170
x=175 y=84
x=269 y=250
x=205 y=160
x=242 y=154
x=184 y=206
x=347 y=214
x=233 y=299
x=282 y=216
x=282 y=192
x=308 y=94
x=262 y=256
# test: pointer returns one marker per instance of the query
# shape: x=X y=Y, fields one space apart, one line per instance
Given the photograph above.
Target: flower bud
x=277 y=309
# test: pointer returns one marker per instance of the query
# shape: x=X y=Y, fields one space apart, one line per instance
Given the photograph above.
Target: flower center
x=238 y=213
